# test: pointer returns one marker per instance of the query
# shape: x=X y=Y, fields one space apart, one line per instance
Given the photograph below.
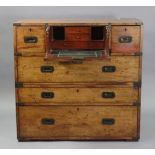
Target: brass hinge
x=18 y=54
x=136 y=104
x=138 y=54
x=109 y=26
x=16 y=24
x=46 y=25
x=19 y=104
x=18 y=85
x=137 y=84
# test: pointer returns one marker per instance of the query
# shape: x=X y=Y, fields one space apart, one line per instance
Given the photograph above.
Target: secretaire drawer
x=30 y=39
x=72 y=95
x=117 y=69
x=78 y=37
x=77 y=122
x=77 y=29
x=126 y=38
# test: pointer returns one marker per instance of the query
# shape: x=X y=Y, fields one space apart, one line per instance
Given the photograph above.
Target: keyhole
x=125 y=29
x=30 y=29
x=77 y=90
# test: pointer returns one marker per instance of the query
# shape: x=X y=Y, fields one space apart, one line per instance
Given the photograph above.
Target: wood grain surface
x=127 y=67
x=81 y=96
x=78 y=122
x=30 y=31
x=126 y=31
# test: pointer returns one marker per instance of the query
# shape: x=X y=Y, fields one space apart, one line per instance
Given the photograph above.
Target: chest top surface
x=121 y=21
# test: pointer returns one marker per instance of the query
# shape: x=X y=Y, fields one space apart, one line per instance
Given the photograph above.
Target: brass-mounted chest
x=78 y=80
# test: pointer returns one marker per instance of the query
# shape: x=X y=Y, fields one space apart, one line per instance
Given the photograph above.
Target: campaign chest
x=78 y=79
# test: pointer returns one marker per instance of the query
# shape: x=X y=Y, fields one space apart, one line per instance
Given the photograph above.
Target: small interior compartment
x=58 y=33
x=98 y=33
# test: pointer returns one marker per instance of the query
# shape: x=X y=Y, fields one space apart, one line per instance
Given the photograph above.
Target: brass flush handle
x=109 y=69
x=47 y=95
x=30 y=39
x=125 y=39
x=108 y=121
x=47 y=69
x=108 y=95
x=48 y=121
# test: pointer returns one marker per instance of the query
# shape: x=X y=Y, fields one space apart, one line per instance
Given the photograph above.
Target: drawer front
x=30 y=39
x=76 y=45
x=126 y=38
x=106 y=95
x=77 y=37
x=77 y=30
x=75 y=122
x=117 y=69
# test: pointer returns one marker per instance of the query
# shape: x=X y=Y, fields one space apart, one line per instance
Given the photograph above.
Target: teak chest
x=78 y=79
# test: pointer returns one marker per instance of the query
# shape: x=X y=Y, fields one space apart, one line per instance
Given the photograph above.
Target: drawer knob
x=30 y=39
x=108 y=95
x=47 y=121
x=125 y=39
x=47 y=69
x=47 y=95
x=108 y=121
x=108 y=69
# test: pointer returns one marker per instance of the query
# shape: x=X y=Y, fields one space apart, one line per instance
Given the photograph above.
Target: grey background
x=7 y=98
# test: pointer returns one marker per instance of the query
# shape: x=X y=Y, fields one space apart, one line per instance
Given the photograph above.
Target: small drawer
x=105 y=95
x=77 y=30
x=77 y=122
x=30 y=39
x=77 y=37
x=126 y=38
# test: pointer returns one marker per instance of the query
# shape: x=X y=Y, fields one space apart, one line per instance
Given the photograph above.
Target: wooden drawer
x=77 y=37
x=76 y=45
x=76 y=29
x=30 y=39
x=126 y=38
x=97 y=95
x=77 y=122
x=117 y=69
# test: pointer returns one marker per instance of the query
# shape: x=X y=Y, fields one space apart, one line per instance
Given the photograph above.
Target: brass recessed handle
x=108 y=121
x=48 y=121
x=109 y=69
x=108 y=95
x=125 y=39
x=47 y=69
x=30 y=39
x=47 y=95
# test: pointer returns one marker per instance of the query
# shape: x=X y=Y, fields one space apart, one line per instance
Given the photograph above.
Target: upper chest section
x=113 y=38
